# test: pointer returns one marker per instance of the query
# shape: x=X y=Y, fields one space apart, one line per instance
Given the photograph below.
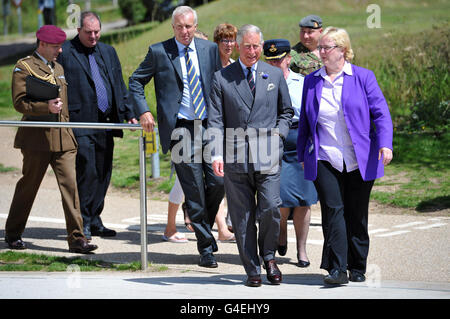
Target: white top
x=295 y=86
x=335 y=143
x=186 y=109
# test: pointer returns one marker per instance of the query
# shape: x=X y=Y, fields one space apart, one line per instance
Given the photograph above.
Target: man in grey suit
x=251 y=112
x=183 y=68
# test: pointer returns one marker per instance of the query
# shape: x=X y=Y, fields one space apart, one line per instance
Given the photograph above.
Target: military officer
x=44 y=146
x=305 y=54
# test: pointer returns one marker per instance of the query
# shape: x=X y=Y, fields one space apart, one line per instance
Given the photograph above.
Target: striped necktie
x=102 y=96
x=251 y=82
x=195 y=88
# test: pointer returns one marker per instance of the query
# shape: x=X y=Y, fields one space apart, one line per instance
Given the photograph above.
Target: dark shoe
x=336 y=277
x=87 y=232
x=81 y=246
x=356 y=276
x=102 y=231
x=273 y=273
x=282 y=249
x=253 y=281
x=303 y=264
x=208 y=261
x=15 y=243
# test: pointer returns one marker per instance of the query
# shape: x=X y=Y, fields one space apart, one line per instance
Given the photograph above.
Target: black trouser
x=203 y=191
x=94 y=167
x=344 y=202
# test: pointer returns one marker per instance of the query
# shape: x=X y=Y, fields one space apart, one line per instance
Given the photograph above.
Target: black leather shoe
x=356 y=276
x=336 y=277
x=282 y=249
x=273 y=273
x=253 y=281
x=208 y=261
x=102 y=231
x=15 y=243
x=303 y=264
x=81 y=246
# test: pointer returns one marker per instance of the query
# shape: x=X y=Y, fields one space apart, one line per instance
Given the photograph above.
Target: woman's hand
x=386 y=153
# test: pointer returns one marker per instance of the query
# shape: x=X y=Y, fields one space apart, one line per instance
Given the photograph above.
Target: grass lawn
x=20 y=261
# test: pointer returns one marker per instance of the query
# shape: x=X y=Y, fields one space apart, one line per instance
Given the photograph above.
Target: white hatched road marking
x=431 y=226
x=395 y=233
x=409 y=224
x=134 y=224
x=379 y=230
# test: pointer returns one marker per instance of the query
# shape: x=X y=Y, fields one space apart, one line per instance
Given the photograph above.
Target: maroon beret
x=51 y=34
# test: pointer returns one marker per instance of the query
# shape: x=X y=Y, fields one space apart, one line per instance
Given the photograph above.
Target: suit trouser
x=35 y=164
x=203 y=191
x=344 y=202
x=254 y=197
x=94 y=168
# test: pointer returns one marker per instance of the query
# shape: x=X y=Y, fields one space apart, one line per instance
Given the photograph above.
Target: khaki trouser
x=35 y=164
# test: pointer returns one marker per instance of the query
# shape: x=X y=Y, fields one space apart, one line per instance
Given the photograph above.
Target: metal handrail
x=142 y=166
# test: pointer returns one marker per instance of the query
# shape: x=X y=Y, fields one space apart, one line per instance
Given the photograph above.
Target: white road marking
x=378 y=230
x=431 y=226
x=408 y=224
x=395 y=233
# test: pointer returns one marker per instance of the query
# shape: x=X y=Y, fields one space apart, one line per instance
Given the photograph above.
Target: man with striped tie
x=253 y=96
x=183 y=67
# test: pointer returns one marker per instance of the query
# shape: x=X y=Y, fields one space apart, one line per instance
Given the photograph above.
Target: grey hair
x=248 y=28
x=182 y=10
x=87 y=14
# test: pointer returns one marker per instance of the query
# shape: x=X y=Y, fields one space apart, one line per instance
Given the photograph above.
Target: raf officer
x=305 y=54
x=44 y=146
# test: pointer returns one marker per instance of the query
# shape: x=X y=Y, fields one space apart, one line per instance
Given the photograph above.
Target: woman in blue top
x=297 y=194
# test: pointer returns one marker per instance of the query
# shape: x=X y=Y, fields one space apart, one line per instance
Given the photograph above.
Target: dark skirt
x=295 y=189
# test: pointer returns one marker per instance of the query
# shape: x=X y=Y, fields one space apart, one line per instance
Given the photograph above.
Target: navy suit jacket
x=81 y=92
x=163 y=63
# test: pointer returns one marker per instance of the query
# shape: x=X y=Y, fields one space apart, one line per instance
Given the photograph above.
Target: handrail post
x=143 y=200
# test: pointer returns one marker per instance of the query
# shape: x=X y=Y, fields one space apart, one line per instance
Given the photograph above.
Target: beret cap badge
x=273 y=48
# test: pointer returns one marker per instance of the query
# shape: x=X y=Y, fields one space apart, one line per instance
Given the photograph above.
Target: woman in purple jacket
x=344 y=141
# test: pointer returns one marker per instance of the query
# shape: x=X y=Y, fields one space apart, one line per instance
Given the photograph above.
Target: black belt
x=182 y=122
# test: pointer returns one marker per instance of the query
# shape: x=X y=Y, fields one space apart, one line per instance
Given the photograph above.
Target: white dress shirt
x=186 y=108
x=336 y=146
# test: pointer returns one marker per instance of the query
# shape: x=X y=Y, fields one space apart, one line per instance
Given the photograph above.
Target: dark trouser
x=245 y=210
x=344 y=202
x=94 y=167
x=203 y=191
x=35 y=164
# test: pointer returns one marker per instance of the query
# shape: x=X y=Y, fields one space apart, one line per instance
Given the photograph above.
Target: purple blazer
x=366 y=114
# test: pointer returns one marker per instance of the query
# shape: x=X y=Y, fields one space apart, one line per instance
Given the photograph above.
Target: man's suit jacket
x=163 y=63
x=366 y=114
x=233 y=107
x=81 y=88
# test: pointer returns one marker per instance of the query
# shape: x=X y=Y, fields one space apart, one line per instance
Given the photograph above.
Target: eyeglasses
x=226 y=41
x=327 y=49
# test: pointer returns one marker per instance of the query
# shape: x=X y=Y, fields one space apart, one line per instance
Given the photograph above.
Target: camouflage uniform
x=304 y=61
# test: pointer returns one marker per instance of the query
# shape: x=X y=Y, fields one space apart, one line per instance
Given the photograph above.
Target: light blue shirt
x=186 y=110
x=295 y=86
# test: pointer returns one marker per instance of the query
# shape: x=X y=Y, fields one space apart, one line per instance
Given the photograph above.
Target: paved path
x=409 y=254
